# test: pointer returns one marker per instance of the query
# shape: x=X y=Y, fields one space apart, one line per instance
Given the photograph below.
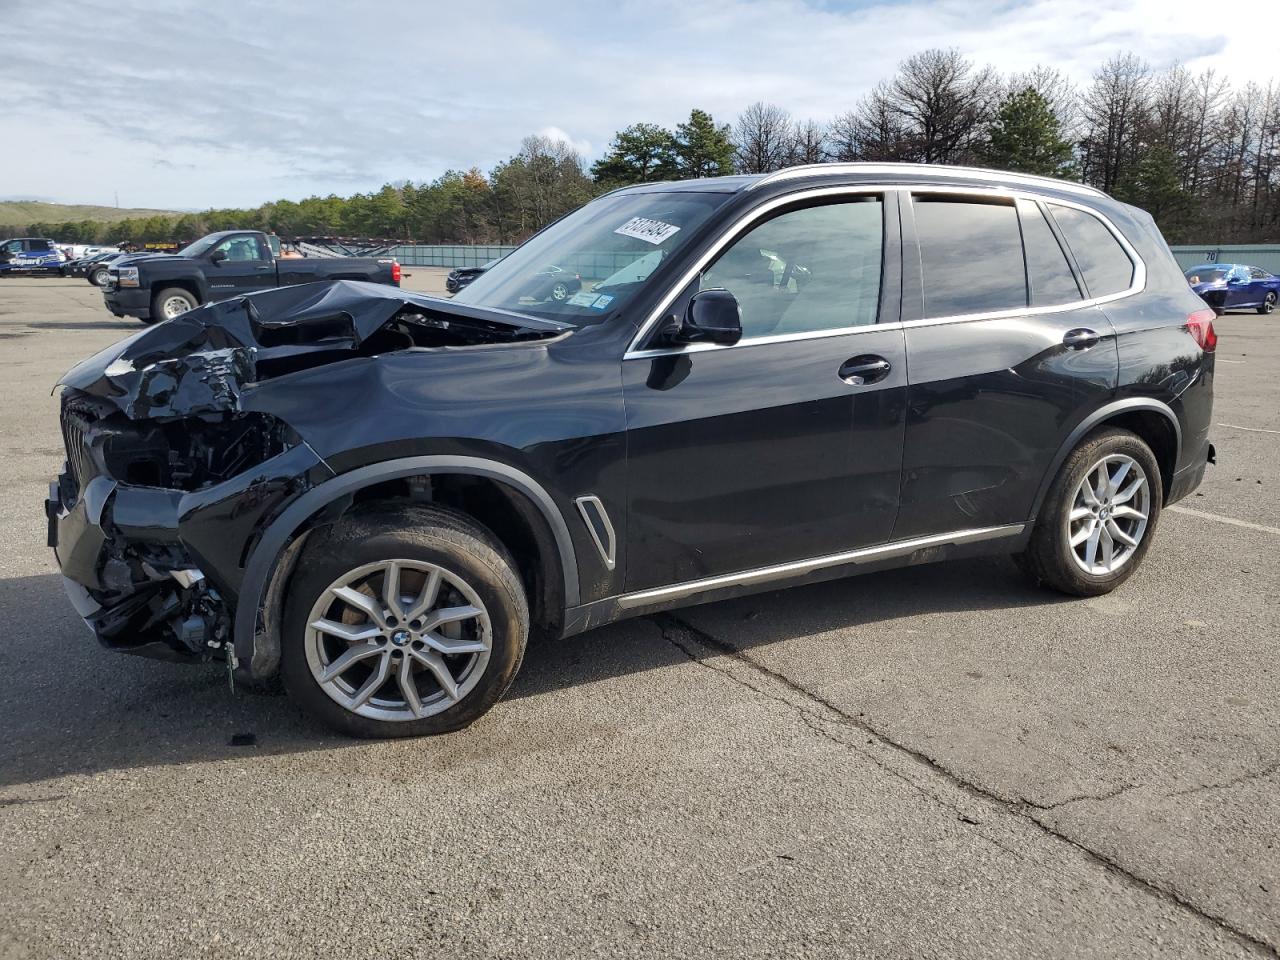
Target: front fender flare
x=262 y=562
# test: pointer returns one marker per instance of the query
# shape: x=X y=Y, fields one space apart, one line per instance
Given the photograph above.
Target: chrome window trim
x=883 y=551
x=925 y=170
x=634 y=352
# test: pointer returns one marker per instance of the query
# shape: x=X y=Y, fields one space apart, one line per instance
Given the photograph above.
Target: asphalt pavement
x=941 y=761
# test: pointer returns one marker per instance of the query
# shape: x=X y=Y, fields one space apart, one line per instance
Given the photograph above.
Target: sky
x=190 y=104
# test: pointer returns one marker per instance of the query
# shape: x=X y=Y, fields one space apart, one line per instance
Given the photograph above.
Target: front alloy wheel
x=401 y=621
x=398 y=640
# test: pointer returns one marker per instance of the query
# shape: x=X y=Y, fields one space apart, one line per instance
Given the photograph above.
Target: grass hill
x=16 y=213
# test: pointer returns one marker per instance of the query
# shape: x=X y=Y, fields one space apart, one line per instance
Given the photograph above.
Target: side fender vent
x=596 y=518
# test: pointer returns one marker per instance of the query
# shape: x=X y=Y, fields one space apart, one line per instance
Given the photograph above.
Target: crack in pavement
x=1081 y=797
x=1233 y=782
x=669 y=626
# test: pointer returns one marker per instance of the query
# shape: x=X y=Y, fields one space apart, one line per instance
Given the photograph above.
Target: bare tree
x=944 y=103
x=762 y=138
x=808 y=143
x=873 y=130
x=1113 y=113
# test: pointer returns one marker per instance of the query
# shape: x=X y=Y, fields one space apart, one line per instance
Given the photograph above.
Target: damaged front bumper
x=177 y=463
x=156 y=571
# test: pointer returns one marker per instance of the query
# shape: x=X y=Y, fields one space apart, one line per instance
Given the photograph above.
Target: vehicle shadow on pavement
x=962 y=586
x=74 y=708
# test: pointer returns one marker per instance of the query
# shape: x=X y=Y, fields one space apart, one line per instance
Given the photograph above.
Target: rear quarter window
x=1049 y=273
x=1106 y=266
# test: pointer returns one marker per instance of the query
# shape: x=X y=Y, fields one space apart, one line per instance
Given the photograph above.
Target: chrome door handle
x=1080 y=338
x=857 y=371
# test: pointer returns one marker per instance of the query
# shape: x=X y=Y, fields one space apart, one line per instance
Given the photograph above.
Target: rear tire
x=99 y=277
x=1268 y=303
x=172 y=302
x=407 y=650
x=1087 y=543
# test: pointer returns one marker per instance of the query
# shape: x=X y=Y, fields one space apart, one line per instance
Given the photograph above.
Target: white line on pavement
x=1221 y=519
x=1236 y=426
x=1225 y=360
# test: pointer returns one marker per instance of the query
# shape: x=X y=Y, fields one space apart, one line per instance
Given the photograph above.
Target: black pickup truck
x=222 y=265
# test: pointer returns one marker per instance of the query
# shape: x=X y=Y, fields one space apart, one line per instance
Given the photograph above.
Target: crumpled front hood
x=201 y=361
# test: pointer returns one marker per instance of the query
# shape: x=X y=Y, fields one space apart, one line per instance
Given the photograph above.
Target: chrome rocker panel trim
x=797 y=568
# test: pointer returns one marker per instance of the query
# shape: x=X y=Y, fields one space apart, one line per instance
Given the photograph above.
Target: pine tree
x=639 y=153
x=703 y=149
x=1154 y=185
x=1026 y=136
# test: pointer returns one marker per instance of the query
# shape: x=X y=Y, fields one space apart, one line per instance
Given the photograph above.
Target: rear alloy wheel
x=172 y=302
x=99 y=277
x=403 y=624
x=1268 y=303
x=1099 y=516
x=560 y=291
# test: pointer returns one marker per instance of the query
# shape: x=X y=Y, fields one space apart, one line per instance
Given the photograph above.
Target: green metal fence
x=590 y=265
x=449 y=254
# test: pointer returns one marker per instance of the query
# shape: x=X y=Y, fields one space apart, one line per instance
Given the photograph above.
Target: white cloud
x=555 y=133
x=288 y=102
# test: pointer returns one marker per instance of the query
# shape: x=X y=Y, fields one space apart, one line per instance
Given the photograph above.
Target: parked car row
x=550 y=283
x=93 y=267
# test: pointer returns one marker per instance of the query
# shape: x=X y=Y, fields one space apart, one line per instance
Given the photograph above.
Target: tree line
x=1201 y=155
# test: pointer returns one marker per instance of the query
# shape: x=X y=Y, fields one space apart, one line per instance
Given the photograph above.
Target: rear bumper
x=1186 y=480
x=128 y=302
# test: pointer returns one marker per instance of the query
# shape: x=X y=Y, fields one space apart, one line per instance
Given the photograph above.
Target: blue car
x=29 y=255
x=1235 y=286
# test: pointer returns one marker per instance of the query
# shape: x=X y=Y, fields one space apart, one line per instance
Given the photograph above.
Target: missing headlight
x=192 y=452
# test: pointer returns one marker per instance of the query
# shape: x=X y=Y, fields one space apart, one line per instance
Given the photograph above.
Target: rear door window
x=970 y=255
x=1048 y=272
x=1106 y=267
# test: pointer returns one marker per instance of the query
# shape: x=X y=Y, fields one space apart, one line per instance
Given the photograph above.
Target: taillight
x=395 y=271
x=1200 y=326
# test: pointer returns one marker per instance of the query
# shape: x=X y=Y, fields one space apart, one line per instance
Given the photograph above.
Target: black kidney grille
x=75 y=429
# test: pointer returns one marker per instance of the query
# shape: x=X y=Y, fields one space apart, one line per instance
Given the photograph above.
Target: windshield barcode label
x=651 y=231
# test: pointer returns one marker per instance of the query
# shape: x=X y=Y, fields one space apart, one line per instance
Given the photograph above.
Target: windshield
x=585 y=267
x=1206 y=274
x=199 y=246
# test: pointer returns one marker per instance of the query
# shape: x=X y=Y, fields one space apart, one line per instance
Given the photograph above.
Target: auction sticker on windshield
x=651 y=231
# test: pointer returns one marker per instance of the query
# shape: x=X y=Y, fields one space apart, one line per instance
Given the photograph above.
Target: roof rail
x=924 y=170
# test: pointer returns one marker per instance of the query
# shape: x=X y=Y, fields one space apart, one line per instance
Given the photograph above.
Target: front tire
x=172 y=302
x=1268 y=303
x=1099 y=516
x=403 y=624
x=99 y=277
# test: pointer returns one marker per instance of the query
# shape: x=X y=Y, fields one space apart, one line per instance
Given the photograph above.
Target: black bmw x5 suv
x=379 y=496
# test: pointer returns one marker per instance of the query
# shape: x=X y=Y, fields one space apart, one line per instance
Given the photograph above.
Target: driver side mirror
x=713 y=316
x=217 y=256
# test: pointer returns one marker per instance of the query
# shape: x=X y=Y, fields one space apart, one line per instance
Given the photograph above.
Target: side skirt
x=901 y=553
